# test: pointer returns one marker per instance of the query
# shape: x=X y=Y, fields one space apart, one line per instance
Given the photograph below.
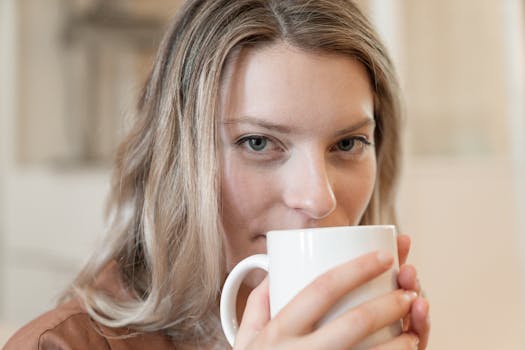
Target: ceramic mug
x=296 y=257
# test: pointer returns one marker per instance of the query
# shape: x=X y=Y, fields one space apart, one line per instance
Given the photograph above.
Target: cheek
x=245 y=192
x=246 y=195
x=355 y=191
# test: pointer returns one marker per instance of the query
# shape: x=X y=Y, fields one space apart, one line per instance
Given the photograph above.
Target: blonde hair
x=165 y=230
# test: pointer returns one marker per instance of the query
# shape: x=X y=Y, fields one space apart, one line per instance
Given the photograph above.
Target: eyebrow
x=284 y=129
x=356 y=126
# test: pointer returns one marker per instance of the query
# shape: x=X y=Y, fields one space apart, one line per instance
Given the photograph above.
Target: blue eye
x=346 y=145
x=352 y=144
x=260 y=148
x=257 y=143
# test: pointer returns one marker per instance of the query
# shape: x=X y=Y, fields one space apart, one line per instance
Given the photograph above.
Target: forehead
x=283 y=82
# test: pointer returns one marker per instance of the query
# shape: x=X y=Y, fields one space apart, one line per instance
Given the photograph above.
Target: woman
x=257 y=115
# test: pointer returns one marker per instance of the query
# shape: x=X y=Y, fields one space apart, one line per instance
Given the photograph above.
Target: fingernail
x=418 y=284
x=416 y=342
x=410 y=296
x=384 y=257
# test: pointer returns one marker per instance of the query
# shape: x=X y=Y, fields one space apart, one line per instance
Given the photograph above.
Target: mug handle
x=228 y=308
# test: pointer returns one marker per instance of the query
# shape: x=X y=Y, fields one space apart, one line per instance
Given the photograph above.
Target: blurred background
x=70 y=71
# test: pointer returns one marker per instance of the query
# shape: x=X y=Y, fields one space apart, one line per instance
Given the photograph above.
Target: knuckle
x=370 y=266
x=371 y=260
x=364 y=318
x=323 y=285
x=401 y=300
x=270 y=335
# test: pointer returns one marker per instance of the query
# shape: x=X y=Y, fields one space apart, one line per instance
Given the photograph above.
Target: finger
x=403 y=247
x=408 y=341
x=407 y=278
x=256 y=315
x=420 y=321
x=314 y=301
x=353 y=326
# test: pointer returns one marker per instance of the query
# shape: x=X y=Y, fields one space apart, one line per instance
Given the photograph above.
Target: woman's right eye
x=256 y=143
x=260 y=147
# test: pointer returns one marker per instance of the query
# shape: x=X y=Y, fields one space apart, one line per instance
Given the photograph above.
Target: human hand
x=293 y=328
x=418 y=321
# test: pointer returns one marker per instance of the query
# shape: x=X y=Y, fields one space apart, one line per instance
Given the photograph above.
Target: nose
x=309 y=188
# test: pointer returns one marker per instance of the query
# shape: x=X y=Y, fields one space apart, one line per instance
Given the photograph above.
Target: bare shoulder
x=66 y=327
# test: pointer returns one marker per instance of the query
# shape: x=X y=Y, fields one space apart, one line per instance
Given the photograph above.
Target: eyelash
x=363 y=141
x=244 y=142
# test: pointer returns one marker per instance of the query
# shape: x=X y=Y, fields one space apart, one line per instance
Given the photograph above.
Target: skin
x=297 y=147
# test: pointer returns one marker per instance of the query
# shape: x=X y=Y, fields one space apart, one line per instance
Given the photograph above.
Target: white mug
x=296 y=257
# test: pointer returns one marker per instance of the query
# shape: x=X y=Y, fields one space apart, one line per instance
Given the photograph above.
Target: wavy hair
x=164 y=207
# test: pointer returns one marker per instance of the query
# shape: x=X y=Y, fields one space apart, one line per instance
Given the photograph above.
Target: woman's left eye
x=346 y=145
x=350 y=144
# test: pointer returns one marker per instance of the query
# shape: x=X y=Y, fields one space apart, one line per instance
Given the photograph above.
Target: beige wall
x=461 y=187
x=454 y=61
x=460 y=193
x=39 y=80
x=467 y=247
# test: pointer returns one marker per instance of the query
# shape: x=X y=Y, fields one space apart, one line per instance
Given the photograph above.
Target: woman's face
x=297 y=134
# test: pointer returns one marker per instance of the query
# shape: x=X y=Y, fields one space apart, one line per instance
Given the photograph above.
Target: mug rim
x=329 y=229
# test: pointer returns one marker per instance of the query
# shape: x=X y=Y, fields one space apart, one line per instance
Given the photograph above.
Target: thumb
x=256 y=315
